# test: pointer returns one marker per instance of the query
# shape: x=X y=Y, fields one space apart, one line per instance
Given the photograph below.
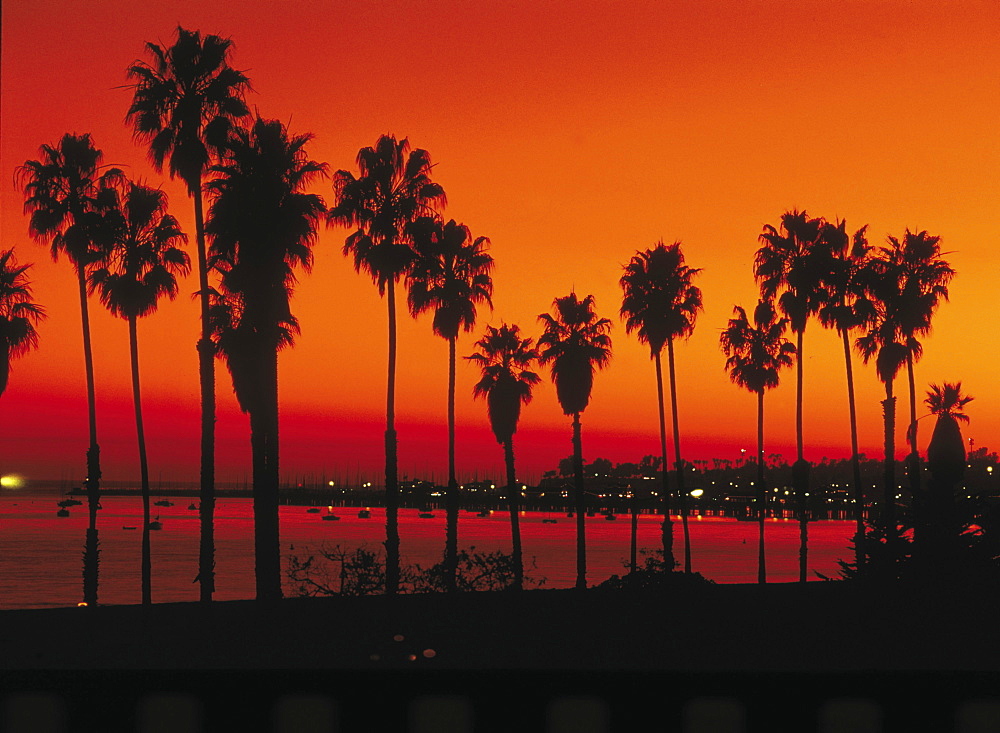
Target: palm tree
x=847 y=310
x=18 y=315
x=575 y=343
x=506 y=360
x=263 y=226
x=790 y=261
x=450 y=276
x=946 y=461
x=883 y=342
x=62 y=192
x=917 y=278
x=756 y=353
x=183 y=104
x=660 y=303
x=393 y=188
x=142 y=266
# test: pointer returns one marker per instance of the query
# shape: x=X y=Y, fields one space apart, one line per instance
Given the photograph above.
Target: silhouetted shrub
x=654 y=573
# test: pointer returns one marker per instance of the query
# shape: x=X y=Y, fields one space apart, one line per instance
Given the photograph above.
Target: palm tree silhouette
x=450 y=275
x=62 y=192
x=792 y=262
x=393 y=188
x=18 y=315
x=506 y=360
x=141 y=266
x=756 y=353
x=263 y=226
x=883 y=341
x=847 y=310
x=660 y=303
x=946 y=461
x=574 y=344
x=916 y=277
x=183 y=104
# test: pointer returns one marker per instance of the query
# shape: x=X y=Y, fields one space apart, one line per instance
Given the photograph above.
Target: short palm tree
x=184 y=102
x=142 y=265
x=263 y=226
x=18 y=315
x=574 y=344
x=506 y=361
x=393 y=188
x=847 y=310
x=450 y=276
x=661 y=304
x=62 y=195
x=946 y=461
x=755 y=354
x=792 y=261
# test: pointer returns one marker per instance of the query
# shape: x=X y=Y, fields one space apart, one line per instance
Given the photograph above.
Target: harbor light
x=332 y=483
x=696 y=493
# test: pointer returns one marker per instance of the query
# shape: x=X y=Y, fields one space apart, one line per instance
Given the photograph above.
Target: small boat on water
x=69 y=502
x=483 y=513
x=610 y=517
x=164 y=502
x=156 y=524
x=313 y=510
x=548 y=521
x=124 y=527
x=64 y=512
x=426 y=515
x=193 y=507
x=364 y=514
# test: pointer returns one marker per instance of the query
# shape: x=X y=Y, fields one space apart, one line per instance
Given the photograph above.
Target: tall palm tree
x=62 y=195
x=917 y=278
x=661 y=304
x=141 y=266
x=184 y=101
x=506 y=361
x=791 y=262
x=755 y=354
x=847 y=310
x=450 y=276
x=18 y=315
x=263 y=226
x=575 y=343
x=393 y=188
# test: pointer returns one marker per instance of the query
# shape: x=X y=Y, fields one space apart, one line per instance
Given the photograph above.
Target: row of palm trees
x=189 y=108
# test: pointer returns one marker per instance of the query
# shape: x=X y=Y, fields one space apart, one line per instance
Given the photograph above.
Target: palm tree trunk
x=146 y=563
x=391 y=481
x=206 y=379
x=677 y=456
x=761 y=490
x=667 y=527
x=800 y=471
x=266 y=502
x=451 y=510
x=913 y=460
x=633 y=544
x=513 y=495
x=581 y=506
x=91 y=551
x=889 y=466
x=859 y=496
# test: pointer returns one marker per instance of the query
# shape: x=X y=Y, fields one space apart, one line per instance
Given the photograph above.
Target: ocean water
x=41 y=554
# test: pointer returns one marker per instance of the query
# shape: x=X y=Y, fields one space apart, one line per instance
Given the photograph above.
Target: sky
x=572 y=134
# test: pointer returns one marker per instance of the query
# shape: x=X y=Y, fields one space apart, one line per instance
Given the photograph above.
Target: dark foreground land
x=778 y=648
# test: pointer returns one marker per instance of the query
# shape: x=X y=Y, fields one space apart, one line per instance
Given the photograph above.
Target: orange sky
x=571 y=134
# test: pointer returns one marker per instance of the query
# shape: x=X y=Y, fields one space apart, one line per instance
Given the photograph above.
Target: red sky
x=571 y=134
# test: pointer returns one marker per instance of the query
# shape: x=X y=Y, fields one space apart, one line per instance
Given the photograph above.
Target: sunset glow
x=571 y=134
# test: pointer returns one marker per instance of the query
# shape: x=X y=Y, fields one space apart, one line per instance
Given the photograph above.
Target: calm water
x=41 y=554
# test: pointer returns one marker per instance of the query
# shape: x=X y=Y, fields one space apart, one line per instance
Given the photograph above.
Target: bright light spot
x=429 y=653
x=332 y=483
x=11 y=482
x=398 y=637
x=697 y=492
x=81 y=604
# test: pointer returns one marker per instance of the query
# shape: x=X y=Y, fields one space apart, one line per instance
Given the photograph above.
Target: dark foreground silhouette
x=822 y=626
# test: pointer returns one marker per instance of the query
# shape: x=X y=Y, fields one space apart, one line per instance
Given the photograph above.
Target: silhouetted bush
x=654 y=573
